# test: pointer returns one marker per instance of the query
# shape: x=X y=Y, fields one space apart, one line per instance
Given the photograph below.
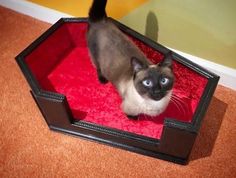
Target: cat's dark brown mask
x=153 y=81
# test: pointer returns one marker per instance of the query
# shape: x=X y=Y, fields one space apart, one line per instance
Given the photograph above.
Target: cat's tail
x=97 y=11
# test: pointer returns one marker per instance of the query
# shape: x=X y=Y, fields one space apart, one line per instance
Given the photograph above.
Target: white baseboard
x=227 y=75
x=39 y=12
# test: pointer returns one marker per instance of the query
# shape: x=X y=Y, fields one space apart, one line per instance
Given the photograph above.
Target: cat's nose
x=156 y=92
x=156 y=95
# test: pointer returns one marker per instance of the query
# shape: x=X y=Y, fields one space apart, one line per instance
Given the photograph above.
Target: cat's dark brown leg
x=132 y=117
x=101 y=78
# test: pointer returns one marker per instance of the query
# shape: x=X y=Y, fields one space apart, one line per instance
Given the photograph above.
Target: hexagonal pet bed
x=65 y=86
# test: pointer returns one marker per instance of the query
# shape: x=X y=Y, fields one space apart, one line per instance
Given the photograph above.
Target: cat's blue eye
x=147 y=83
x=164 y=81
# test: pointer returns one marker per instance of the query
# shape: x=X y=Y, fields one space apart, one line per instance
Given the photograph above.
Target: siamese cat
x=145 y=87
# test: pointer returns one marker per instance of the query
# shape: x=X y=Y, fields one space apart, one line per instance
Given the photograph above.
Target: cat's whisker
x=179 y=100
x=176 y=105
x=187 y=97
x=180 y=108
x=179 y=104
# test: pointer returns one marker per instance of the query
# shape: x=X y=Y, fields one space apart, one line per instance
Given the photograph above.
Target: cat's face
x=153 y=81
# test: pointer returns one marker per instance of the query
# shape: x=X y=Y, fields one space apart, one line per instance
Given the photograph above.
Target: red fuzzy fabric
x=62 y=64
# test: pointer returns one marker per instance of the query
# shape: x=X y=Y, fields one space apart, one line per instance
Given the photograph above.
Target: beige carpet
x=29 y=149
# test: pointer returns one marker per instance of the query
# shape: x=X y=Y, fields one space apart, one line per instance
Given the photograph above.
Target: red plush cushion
x=62 y=64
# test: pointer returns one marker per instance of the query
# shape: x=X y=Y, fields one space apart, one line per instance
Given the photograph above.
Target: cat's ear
x=167 y=61
x=137 y=64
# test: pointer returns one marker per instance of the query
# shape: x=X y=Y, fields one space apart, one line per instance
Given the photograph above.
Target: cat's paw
x=102 y=79
x=132 y=117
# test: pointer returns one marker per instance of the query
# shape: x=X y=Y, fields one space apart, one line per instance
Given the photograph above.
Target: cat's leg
x=95 y=61
x=132 y=117
x=101 y=78
x=130 y=111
